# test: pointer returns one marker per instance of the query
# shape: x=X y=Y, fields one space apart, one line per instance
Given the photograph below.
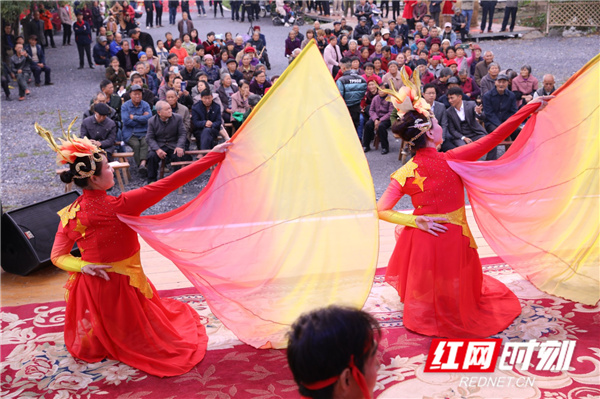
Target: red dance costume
x=124 y=318
x=440 y=279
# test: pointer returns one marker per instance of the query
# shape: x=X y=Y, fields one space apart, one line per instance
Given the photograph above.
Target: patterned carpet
x=36 y=364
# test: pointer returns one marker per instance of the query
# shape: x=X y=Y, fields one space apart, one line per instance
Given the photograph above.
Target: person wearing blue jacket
x=101 y=52
x=135 y=114
x=206 y=118
x=83 y=38
x=352 y=87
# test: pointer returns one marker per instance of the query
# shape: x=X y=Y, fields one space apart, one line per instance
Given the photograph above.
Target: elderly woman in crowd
x=259 y=84
x=332 y=56
x=116 y=74
x=526 y=84
x=226 y=91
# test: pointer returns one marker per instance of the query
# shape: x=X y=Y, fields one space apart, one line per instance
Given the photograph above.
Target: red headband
x=356 y=374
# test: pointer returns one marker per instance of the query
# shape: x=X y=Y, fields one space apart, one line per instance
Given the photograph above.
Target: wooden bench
x=506 y=143
x=120 y=166
x=122 y=157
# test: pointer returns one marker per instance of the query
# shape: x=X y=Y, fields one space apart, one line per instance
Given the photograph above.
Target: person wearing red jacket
x=46 y=16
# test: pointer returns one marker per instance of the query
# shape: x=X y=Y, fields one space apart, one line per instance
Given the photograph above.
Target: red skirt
x=444 y=290
x=111 y=319
x=447 y=10
x=407 y=13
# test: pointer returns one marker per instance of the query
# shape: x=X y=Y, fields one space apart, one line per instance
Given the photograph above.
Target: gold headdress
x=409 y=98
x=71 y=148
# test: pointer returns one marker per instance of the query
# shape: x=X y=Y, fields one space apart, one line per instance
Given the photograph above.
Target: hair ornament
x=409 y=98
x=71 y=148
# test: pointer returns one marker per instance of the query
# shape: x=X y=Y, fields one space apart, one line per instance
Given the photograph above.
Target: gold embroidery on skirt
x=459 y=218
x=132 y=267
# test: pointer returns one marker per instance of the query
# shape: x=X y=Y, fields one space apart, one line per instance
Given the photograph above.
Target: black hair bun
x=67 y=177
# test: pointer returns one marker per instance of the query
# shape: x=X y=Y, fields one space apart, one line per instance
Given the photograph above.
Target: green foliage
x=10 y=11
x=535 y=21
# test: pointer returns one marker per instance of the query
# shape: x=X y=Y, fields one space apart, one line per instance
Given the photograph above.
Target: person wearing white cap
x=449 y=33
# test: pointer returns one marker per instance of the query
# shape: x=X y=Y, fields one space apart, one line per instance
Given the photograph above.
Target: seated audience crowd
x=163 y=97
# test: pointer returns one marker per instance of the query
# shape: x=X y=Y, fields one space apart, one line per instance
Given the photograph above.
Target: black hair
x=450 y=48
x=206 y=93
x=429 y=86
x=386 y=48
x=68 y=176
x=345 y=60
x=172 y=55
x=321 y=343
x=455 y=91
x=405 y=127
x=368 y=64
x=243 y=82
x=104 y=83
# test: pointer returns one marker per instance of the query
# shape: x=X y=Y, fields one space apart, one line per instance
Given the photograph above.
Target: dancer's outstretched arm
x=136 y=201
x=475 y=150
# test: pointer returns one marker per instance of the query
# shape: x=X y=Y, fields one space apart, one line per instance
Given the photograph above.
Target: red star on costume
x=419 y=180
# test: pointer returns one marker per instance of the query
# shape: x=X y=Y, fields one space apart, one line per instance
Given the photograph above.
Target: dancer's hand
x=224 y=147
x=96 y=270
x=431 y=225
x=541 y=99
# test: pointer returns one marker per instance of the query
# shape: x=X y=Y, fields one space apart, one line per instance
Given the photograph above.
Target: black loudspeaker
x=28 y=234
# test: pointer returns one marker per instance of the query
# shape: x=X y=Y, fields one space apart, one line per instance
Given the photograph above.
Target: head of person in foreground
x=332 y=353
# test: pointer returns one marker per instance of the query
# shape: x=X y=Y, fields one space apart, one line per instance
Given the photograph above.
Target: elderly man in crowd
x=206 y=119
x=101 y=130
x=547 y=86
x=185 y=25
x=166 y=138
x=101 y=52
x=141 y=40
x=499 y=104
x=488 y=81
x=481 y=69
x=20 y=68
x=135 y=114
x=189 y=73
x=116 y=45
x=468 y=85
x=180 y=109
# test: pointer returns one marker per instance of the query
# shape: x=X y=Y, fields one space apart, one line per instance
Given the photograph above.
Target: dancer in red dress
x=435 y=266
x=113 y=311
